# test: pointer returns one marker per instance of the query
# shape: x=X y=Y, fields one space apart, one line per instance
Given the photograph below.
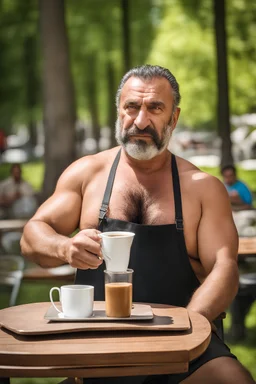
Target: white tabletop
x=12 y=225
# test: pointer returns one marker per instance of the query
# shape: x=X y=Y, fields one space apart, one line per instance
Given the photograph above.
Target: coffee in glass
x=118 y=293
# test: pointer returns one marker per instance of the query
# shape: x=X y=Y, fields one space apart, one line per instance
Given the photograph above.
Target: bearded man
x=185 y=248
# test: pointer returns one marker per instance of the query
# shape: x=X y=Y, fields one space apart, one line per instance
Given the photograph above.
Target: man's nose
x=142 y=119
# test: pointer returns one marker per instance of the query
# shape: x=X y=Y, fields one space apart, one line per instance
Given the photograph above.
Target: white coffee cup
x=76 y=300
x=116 y=248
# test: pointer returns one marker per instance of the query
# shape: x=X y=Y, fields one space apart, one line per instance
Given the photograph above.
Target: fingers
x=85 y=250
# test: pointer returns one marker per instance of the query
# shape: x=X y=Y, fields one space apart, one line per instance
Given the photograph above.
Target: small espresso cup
x=118 y=293
x=116 y=248
x=76 y=300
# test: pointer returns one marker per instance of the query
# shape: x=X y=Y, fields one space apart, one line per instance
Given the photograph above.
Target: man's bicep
x=217 y=234
x=61 y=212
x=63 y=209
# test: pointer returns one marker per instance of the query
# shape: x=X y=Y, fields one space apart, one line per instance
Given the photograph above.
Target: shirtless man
x=180 y=215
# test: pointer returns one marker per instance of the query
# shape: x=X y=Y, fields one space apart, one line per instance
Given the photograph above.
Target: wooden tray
x=139 y=312
x=29 y=319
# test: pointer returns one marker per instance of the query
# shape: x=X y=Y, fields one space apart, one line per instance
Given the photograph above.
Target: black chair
x=241 y=305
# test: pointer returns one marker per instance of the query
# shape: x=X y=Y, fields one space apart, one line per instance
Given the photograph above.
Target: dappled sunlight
x=199 y=176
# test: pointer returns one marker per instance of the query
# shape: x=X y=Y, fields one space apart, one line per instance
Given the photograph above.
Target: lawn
x=30 y=292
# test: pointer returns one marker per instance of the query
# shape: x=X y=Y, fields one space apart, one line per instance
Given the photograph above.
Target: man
x=17 y=197
x=136 y=187
x=239 y=194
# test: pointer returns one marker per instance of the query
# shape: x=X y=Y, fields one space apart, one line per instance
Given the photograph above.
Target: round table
x=99 y=354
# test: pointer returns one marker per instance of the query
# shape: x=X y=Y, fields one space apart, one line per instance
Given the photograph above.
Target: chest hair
x=139 y=206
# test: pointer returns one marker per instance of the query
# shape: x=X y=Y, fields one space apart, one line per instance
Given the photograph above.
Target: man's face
x=146 y=118
x=229 y=177
x=16 y=173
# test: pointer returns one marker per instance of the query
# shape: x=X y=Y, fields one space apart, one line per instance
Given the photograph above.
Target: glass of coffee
x=118 y=293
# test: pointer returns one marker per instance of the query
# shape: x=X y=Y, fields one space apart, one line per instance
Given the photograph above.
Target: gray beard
x=140 y=149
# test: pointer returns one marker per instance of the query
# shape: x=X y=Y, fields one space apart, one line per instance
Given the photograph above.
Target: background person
x=185 y=247
x=239 y=194
x=17 y=196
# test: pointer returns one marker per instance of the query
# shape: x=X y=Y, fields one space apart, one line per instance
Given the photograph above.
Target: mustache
x=134 y=130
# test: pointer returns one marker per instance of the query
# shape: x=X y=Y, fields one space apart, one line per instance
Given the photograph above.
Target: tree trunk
x=59 y=103
x=91 y=87
x=112 y=114
x=222 y=79
x=126 y=34
x=31 y=86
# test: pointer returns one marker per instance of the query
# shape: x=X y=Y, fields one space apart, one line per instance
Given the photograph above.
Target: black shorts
x=216 y=348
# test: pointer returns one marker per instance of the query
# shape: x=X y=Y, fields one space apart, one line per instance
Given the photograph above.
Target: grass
x=246 y=350
x=30 y=292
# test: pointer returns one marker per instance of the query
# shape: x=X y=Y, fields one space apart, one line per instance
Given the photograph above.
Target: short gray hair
x=149 y=72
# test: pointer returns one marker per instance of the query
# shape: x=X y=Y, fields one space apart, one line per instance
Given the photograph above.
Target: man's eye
x=132 y=107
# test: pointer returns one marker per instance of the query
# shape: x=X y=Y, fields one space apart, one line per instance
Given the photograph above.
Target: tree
x=59 y=103
x=32 y=84
x=223 y=115
x=126 y=34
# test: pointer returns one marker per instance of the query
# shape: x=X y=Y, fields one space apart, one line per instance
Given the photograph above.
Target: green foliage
x=34 y=172
x=187 y=49
x=18 y=22
x=185 y=44
x=245 y=351
x=177 y=34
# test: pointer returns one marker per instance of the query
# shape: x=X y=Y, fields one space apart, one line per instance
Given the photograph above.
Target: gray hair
x=148 y=72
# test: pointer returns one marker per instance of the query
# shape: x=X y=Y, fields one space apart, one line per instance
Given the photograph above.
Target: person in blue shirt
x=239 y=194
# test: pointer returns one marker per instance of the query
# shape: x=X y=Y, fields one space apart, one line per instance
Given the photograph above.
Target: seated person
x=239 y=194
x=17 y=196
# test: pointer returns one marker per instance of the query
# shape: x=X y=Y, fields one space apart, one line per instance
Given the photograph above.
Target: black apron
x=162 y=273
x=162 y=270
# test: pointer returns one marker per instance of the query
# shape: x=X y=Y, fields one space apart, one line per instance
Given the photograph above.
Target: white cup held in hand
x=76 y=300
x=116 y=248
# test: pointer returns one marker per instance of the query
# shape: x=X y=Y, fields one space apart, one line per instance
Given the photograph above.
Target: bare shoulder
x=81 y=171
x=206 y=186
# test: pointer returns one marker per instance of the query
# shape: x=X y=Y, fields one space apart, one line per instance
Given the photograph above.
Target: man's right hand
x=84 y=250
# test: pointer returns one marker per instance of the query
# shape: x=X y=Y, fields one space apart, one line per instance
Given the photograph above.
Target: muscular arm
x=217 y=248
x=46 y=238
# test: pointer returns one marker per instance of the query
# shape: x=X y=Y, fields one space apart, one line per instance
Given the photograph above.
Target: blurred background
x=60 y=66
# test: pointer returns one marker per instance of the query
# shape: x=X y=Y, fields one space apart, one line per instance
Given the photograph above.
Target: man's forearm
x=217 y=291
x=42 y=245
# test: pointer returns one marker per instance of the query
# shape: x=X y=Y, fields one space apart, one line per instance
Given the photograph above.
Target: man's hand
x=235 y=197
x=84 y=250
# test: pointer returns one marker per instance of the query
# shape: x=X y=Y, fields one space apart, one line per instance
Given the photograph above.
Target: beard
x=140 y=149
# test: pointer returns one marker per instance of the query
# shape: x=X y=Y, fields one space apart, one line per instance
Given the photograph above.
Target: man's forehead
x=157 y=86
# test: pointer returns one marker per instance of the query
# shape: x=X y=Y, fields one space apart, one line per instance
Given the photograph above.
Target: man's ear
x=175 y=117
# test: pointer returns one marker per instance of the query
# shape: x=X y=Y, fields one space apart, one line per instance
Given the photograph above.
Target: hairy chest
x=133 y=200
